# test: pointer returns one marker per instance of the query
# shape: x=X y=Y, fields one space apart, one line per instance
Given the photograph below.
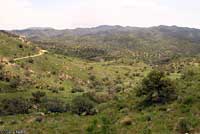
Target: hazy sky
x=60 y=14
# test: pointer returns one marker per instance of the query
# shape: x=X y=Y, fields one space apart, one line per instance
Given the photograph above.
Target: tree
x=156 y=88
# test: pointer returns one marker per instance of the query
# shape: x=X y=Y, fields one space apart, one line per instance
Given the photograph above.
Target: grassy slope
x=10 y=47
x=46 y=71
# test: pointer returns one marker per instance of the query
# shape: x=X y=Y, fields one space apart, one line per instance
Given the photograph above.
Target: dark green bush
x=37 y=96
x=189 y=100
x=98 y=97
x=1 y=75
x=77 y=89
x=56 y=106
x=92 y=77
x=20 y=45
x=1 y=66
x=183 y=126
x=105 y=79
x=15 y=82
x=119 y=87
x=55 y=90
x=14 y=106
x=31 y=61
x=61 y=88
x=82 y=105
x=185 y=108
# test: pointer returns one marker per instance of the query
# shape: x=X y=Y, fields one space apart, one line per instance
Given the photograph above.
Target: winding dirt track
x=41 y=52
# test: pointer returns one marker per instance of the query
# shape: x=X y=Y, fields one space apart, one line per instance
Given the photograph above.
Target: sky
x=62 y=14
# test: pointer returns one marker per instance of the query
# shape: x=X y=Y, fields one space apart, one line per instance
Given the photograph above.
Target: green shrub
x=99 y=97
x=15 y=82
x=77 y=89
x=14 y=106
x=1 y=75
x=20 y=45
x=92 y=77
x=61 y=88
x=56 y=106
x=55 y=90
x=119 y=87
x=183 y=126
x=185 y=108
x=189 y=100
x=82 y=105
x=105 y=79
x=1 y=66
x=90 y=68
x=37 y=96
x=31 y=61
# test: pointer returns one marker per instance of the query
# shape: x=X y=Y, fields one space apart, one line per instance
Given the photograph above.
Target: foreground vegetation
x=55 y=93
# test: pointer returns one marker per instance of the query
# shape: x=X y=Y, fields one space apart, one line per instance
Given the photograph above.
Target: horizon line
x=47 y=27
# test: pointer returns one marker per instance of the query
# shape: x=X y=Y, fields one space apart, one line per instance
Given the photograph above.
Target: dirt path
x=41 y=52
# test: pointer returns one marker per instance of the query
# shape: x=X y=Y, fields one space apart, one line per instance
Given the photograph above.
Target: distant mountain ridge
x=153 y=42
x=171 y=31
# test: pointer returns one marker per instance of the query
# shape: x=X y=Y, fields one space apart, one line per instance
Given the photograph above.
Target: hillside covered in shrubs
x=60 y=92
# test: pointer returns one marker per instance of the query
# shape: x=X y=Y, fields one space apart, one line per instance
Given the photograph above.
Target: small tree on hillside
x=156 y=88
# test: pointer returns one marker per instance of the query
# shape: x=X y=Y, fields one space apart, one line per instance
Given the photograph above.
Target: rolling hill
x=57 y=90
x=148 y=44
